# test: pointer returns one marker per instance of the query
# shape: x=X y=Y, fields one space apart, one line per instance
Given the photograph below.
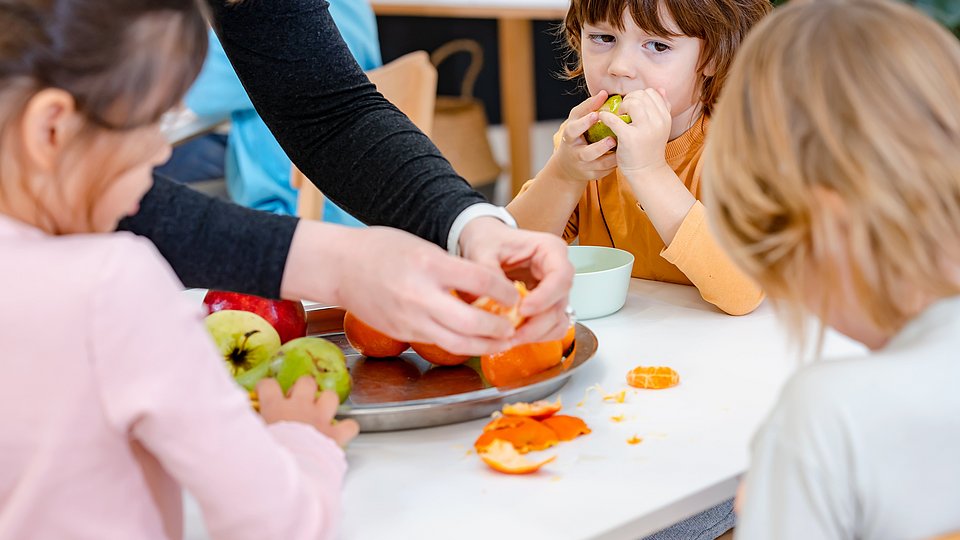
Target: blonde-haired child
x=114 y=399
x=668 y=60
x=833 y=177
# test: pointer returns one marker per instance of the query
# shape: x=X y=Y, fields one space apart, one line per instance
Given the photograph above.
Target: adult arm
x=358 y=148
x=212 y=243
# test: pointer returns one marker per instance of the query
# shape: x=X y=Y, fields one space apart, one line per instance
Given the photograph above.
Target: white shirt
x=865 y=448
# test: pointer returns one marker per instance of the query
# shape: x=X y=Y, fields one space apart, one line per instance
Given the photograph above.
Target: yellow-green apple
x=286 y=316
x=600 y=131
x=246 y=341
x=316 y=357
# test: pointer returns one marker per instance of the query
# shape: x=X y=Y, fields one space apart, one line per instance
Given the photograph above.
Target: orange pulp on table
x=369 y=341
x=653 y=377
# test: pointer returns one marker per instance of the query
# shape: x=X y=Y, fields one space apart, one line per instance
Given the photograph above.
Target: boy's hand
x=305 y=406
x=643 y=142
x=575 y=159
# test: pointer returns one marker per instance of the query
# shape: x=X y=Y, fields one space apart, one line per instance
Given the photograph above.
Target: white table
x=423 y=483
x=515 y=38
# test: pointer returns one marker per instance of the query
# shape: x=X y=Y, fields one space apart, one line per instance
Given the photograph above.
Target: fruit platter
x=406 y=391
x=384 y=385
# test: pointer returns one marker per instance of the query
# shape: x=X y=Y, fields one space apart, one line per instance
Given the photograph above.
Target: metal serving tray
x=407 y=392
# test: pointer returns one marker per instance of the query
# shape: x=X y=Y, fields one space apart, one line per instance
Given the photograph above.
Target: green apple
x=316 y=357
x=246 y=341
x=600 y=131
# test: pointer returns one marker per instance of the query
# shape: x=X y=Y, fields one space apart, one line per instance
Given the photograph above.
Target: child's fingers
x=269 y=390
x=659 y=101
x=588 y=105
x=606 y=164
x=575 y=129
x=616 y=125
x=597 y=149
x=303 y=389
x=327 y=403
x=344 y=431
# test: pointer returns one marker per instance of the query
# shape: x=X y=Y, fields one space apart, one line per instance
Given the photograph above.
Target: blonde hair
x=841 y=101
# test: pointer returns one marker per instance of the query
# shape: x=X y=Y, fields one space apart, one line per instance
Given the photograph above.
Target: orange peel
x=526 y=437
x=567 y=427
x=635 y=440
x=503 y=457
x=507 y=422
x=652 y=377
x=538 y=409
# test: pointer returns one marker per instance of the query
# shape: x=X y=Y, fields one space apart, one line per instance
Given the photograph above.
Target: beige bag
x=460 y=123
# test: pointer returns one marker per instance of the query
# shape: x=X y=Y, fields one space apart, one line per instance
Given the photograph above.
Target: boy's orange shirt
x=608 y=215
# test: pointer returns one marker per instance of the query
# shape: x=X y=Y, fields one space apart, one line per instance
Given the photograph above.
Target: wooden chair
x=410 y=83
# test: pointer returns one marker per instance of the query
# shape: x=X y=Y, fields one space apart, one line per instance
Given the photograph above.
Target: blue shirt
x=257 y=169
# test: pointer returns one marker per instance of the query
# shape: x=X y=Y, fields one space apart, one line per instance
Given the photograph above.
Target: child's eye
x=601 y=38
x=656 y=46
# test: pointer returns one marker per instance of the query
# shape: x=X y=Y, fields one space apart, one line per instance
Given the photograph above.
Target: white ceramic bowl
x=601 y=281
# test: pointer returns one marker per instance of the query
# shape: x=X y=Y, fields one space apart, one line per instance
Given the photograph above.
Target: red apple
x=286 y=316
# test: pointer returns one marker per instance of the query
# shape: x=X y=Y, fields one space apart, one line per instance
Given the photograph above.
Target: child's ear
x=710 y=69
x=49 y=121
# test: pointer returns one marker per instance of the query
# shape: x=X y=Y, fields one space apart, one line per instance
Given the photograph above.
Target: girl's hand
x=575 y=159
x=305 y=406
x=643 y=142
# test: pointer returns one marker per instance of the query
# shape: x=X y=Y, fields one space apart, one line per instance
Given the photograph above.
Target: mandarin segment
x=369 y=341
x=538 y=409
x=567 y=427
x=503 y=457
x=653 y=377
x=512 y=312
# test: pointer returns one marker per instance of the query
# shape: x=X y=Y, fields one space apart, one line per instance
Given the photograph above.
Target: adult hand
x=538 y=259
x=401 y=285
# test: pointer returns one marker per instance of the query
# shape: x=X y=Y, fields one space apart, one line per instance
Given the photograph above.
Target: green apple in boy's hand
x=246 y=341
x=316 y=357
x=600 y=131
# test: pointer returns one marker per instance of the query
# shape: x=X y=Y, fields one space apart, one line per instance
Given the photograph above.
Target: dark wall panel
x=555 y=97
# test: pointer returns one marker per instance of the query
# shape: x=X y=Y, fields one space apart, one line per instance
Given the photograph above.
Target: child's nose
x=623 y=63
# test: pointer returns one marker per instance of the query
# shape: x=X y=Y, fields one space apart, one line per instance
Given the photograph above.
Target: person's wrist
x=486 y=214
x=315 y=261
x=646 y=172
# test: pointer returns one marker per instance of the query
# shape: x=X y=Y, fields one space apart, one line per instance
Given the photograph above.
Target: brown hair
x=125 y=62
x=721 y=24
x=835 y=144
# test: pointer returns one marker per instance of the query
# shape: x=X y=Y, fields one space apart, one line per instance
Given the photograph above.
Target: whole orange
x=369 y=341
x=438 y=356
x=513 y=365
